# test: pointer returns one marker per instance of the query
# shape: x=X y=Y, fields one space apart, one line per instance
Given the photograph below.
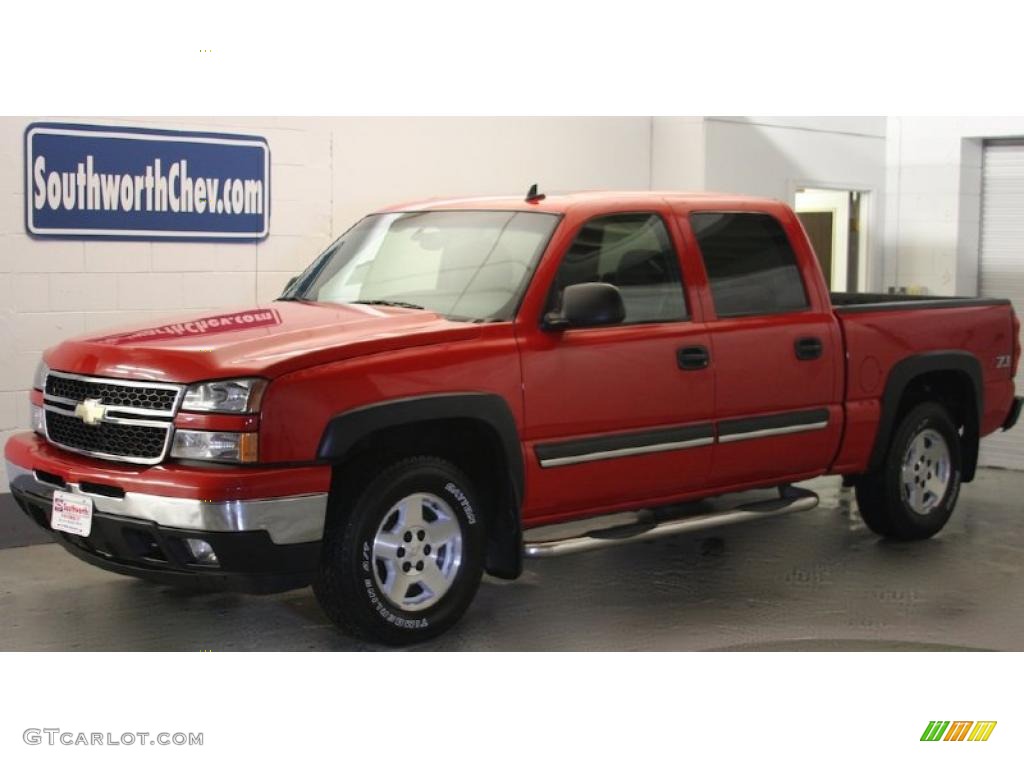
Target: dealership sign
x=141 y=184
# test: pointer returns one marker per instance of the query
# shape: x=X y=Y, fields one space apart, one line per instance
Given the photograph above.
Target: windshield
x=466 y=265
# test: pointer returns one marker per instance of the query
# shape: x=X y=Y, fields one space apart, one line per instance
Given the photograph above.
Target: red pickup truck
x=448 y=378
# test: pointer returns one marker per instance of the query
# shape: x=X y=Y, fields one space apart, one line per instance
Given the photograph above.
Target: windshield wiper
x=388 y=303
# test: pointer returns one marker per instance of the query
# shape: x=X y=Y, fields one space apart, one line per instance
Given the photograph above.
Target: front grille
x=123 y=440
x=135 y=427
x=111 y=393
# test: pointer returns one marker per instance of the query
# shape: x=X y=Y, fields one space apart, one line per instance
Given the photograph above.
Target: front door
x=617 y=415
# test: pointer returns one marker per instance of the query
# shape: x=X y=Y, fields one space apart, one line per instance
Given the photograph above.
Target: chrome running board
x=653 y=524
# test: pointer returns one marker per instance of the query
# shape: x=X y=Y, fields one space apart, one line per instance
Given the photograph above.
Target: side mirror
x=587 y=304
x=290 y=283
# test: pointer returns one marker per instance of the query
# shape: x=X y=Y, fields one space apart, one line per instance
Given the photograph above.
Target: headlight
x=240 y=447
x=39 y=378
x=229 y=396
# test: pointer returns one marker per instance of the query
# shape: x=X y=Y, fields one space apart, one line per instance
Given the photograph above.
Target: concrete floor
x=812 y=581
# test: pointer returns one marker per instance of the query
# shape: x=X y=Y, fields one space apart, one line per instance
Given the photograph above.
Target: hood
x=266 y=341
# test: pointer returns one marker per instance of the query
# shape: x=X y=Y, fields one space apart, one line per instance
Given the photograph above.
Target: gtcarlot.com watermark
x=57 y=737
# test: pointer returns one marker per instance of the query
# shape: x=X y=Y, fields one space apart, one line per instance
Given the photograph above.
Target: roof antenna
x=533 y=196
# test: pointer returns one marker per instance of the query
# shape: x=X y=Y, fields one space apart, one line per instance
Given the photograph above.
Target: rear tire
x=402 y=561
x=912 y=495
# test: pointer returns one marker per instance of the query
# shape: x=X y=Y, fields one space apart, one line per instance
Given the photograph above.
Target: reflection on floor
x=812 y=581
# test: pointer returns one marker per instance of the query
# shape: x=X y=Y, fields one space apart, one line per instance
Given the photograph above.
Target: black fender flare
x=346 y=429
x=908 y=369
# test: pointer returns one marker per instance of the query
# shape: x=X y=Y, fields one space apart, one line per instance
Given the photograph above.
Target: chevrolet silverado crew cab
x=450 y=381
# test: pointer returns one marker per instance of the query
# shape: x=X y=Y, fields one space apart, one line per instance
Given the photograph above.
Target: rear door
x=775 y=347
x=615 y=414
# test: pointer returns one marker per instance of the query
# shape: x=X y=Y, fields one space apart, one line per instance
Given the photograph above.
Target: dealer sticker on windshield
x=71 y=513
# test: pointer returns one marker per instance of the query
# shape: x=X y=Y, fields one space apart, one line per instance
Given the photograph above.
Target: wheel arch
x=475 y=430
x=951 y=377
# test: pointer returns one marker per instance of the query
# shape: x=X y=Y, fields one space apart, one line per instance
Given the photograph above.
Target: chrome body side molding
x=619 y=452
x=619 y=445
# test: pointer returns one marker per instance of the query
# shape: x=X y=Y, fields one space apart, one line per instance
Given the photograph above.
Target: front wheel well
x=470 y=444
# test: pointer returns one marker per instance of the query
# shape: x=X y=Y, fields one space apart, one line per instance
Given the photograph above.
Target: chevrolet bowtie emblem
x=91 y=411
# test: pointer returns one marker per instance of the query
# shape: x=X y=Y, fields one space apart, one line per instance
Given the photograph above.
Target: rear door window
x=750 y=263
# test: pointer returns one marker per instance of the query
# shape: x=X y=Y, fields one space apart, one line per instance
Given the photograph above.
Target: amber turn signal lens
x=249 y=447
x=199 y=445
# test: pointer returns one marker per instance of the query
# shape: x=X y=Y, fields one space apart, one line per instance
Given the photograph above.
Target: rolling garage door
x=1001 y=267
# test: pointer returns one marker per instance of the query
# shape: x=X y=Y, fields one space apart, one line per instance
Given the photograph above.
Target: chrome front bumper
x=287 y=519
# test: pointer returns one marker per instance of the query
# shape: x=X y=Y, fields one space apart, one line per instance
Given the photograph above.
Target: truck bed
x=882 y=330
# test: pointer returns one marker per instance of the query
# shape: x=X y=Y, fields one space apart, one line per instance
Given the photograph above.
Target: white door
x=837 y=204
x=1001 y=268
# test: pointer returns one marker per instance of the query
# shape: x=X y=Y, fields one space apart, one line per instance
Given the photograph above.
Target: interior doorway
x=835 y=220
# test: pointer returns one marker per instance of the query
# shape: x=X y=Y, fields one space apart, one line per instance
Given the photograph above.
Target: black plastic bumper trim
x=248 y=561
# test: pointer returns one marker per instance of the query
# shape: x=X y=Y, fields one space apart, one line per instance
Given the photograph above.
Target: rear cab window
x=750 y=263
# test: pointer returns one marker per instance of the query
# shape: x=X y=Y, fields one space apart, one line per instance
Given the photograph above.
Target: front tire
x=912 y=495
x=402 y=561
